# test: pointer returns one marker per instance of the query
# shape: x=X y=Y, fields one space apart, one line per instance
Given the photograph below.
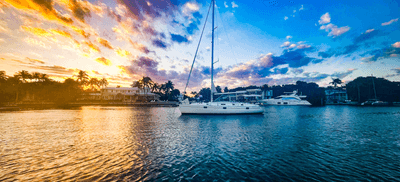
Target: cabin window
x=224 y=108
x=233 y=104
x=247 y=107
x=285 y=103
x=205 y=107
x=241 y=104
x=222 y=104
x=279 y=102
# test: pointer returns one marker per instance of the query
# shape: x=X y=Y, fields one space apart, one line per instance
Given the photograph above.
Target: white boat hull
x=218 y=108
x=285 y=102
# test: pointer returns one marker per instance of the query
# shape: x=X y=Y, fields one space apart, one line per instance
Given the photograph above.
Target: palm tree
x=15 y=84
x=155 y=87
x=24 y=75
x=3 y=76
x=103 y=82
x=94 y=83
x=137 y=84
x=44 y=77
x=146 y=81
x=36 y=76
x=163 y=88
x=169 y=86
x=82 y=77
x=335 y=82
x=194 y=93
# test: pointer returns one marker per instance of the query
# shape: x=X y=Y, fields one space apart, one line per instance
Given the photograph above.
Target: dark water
x=333 y=143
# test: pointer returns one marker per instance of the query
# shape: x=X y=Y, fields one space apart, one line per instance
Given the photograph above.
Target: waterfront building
x=128 y=94
x=334 y=96
x=248 y=95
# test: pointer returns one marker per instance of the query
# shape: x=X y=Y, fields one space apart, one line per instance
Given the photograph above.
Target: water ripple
x=156 y=144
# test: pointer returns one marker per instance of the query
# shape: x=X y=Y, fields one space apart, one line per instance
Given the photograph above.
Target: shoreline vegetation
x=35 y=89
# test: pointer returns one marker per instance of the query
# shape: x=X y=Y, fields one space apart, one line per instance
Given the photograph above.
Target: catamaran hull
x=217 y=110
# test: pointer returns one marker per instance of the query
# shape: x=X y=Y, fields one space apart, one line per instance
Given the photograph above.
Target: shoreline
x=48 y=105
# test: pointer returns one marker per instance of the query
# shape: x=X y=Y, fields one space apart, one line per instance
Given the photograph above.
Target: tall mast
x=212 y=52
x=373 y=84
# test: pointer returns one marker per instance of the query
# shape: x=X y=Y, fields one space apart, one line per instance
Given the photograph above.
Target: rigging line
x=195 y=55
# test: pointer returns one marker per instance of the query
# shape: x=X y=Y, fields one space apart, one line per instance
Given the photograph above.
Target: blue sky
x=257 y=42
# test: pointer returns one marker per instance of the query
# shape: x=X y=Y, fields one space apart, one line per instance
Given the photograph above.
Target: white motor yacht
x=291 y=98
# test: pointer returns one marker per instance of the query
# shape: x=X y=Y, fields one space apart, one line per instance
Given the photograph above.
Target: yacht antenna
x=212 y=52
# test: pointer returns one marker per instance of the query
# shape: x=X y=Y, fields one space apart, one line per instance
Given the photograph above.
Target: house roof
x=120 y=88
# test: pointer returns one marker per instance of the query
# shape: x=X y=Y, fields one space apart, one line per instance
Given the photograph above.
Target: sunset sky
x=257 y=42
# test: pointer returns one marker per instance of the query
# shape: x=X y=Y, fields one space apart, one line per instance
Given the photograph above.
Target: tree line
x=165 y=90
x=37 y=86
x=360 y=90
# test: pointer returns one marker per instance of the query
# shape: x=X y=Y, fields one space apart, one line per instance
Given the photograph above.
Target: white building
x=128 y=94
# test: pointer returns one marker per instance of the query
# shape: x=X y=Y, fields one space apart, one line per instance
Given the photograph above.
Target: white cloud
x=370 y=30
x=189 y=8
x=396 y=45
x=286 y=18
x=294 y=11
x=288 y=37
x=334 y=30
x=234 y=5
x=303 y=46
x=286 y=44
x=368 y=59
x=302 y=8
x=226 y=6
x=390 y=22
x=292 y=46
x=325 y=18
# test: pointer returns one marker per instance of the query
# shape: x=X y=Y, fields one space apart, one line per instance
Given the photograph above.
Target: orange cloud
x=105 y=43
x=81 y=32
x=45 y=8
x=92 y=46
x=140 y=47
x=33 y=61
x=104 y=61
x=61 y=32
x=123 y=53
x=36 y=42
x=36 y=31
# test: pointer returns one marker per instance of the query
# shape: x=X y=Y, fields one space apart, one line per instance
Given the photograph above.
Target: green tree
x=44 y=77
x=218 y=88
x=103 y=82
x=335 y=82
x=83 y=77
x=155 y=87
x=3 y=77
x=24 y=75
x=36 y=76
x=146 y=82
x=226 y=89
x=94 y=83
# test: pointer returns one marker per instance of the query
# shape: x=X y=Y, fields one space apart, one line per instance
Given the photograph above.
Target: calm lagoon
x=332 y=143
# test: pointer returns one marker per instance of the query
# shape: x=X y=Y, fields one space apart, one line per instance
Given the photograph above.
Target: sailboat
x=214 y=108
x=375 y=101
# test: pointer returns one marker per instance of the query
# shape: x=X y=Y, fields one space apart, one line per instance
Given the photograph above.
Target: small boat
x=374 y=102
x=290 y=99
x=214 y=108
